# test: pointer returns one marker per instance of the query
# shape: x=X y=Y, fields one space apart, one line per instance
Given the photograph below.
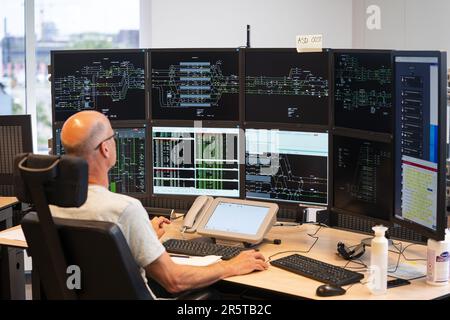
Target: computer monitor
x=288 y=166
x=109 y=81
x=363 y=90
x=195 y=84
x=196 y=161
x=282 y=85
x=238 y=220
x=363 y=178
x=128 y=176
x=15 y=138
x=420 y=137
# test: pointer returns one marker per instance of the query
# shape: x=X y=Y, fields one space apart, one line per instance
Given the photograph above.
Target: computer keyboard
x=317 y=270
x=197 y=248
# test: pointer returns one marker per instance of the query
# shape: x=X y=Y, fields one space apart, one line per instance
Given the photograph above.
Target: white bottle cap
x=379 y=230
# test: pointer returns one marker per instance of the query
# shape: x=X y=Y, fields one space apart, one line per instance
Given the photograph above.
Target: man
x=88 y=134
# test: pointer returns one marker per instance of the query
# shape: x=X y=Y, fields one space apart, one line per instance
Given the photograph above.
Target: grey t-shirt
x=128 y=213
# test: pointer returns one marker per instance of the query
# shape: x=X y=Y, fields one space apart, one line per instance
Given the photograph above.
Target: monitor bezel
x=191 y=124
x=375 y=137
x=240 y=55
x=265 y=226
x=441 y=219
x=328 y=55
x=24 y=122
x=123 y=125
x=295 y=128
x=332 y=86
x=54 y=53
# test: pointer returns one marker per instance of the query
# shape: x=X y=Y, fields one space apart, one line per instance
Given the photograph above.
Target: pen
x=178 y=256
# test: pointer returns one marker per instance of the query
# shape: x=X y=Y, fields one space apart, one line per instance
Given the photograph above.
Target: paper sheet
x=196 y=261
x=410 y=270
x=16 y=234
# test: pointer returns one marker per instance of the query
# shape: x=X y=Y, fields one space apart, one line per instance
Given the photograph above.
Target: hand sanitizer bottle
x=379 y=261
x=438 y=261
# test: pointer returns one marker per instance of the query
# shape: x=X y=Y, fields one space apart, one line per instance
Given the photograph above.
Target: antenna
x=248 y=36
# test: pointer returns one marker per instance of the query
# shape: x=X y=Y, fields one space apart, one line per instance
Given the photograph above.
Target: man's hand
x=158 y=223
x=246 y=262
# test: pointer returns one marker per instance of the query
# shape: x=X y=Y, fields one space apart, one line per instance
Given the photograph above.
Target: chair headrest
x=66 y=187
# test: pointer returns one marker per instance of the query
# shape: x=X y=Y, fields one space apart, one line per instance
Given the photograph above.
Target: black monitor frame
x=124 y=125
x=211 y=122
x=100 y=51
x=24 y=122
x=297 y=128
x=300 y=126
x=441 y=218
x=190 y=124
x=332 y=86
x=356 y=134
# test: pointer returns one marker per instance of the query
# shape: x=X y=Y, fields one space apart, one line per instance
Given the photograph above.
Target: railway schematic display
x=362 y=173
x=286 y=87
x=190 y=85
x=112 y=83
x=286 y=166
x=363 y=91
x=196 y=161
x=128 y=175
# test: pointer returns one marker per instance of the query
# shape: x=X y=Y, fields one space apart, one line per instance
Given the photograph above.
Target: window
x=12 y=57
x=67 y=24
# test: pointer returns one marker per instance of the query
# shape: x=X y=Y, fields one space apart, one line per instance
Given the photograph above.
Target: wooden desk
x=7 y=202
x=296 y=238
x=6 y=211
x=12 y=243
x=12 y=276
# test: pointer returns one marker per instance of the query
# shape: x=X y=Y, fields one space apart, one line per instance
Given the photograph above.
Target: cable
x=362 y=283
x=404 y=257
x=399 y=255
x=298 y=251
x=364 y=266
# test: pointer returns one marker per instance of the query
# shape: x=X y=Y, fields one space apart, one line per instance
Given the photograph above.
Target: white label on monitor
x=309 y=43
x=419 y=191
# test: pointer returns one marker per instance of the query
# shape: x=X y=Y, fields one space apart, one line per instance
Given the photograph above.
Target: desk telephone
x=195 y=214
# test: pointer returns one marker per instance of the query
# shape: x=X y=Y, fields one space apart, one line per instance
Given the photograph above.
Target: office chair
x=99 y=249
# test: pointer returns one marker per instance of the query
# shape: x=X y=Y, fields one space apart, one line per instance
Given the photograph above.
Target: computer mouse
x=329 y=290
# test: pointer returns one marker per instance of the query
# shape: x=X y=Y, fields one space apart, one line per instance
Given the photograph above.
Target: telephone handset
x=196 y=212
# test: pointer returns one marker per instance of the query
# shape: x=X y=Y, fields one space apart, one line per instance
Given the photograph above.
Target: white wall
x=405 y=24
x=274 y=23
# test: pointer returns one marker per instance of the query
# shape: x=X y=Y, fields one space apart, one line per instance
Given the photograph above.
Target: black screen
x=363 y=91
x=128 y=175
x=286 y=87
x=363 y=177
x=195 y=85
x=112 y=83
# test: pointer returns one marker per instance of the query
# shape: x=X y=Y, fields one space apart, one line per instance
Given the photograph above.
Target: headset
x=350 y=254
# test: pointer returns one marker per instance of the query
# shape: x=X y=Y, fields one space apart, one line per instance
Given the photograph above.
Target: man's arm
x=177 y=278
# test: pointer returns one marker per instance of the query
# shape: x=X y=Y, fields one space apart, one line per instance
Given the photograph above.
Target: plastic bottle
x=379 y=261
x=438 y=262
x=447 y=238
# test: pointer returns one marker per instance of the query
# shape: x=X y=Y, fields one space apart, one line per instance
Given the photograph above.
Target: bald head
x=83 y=131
